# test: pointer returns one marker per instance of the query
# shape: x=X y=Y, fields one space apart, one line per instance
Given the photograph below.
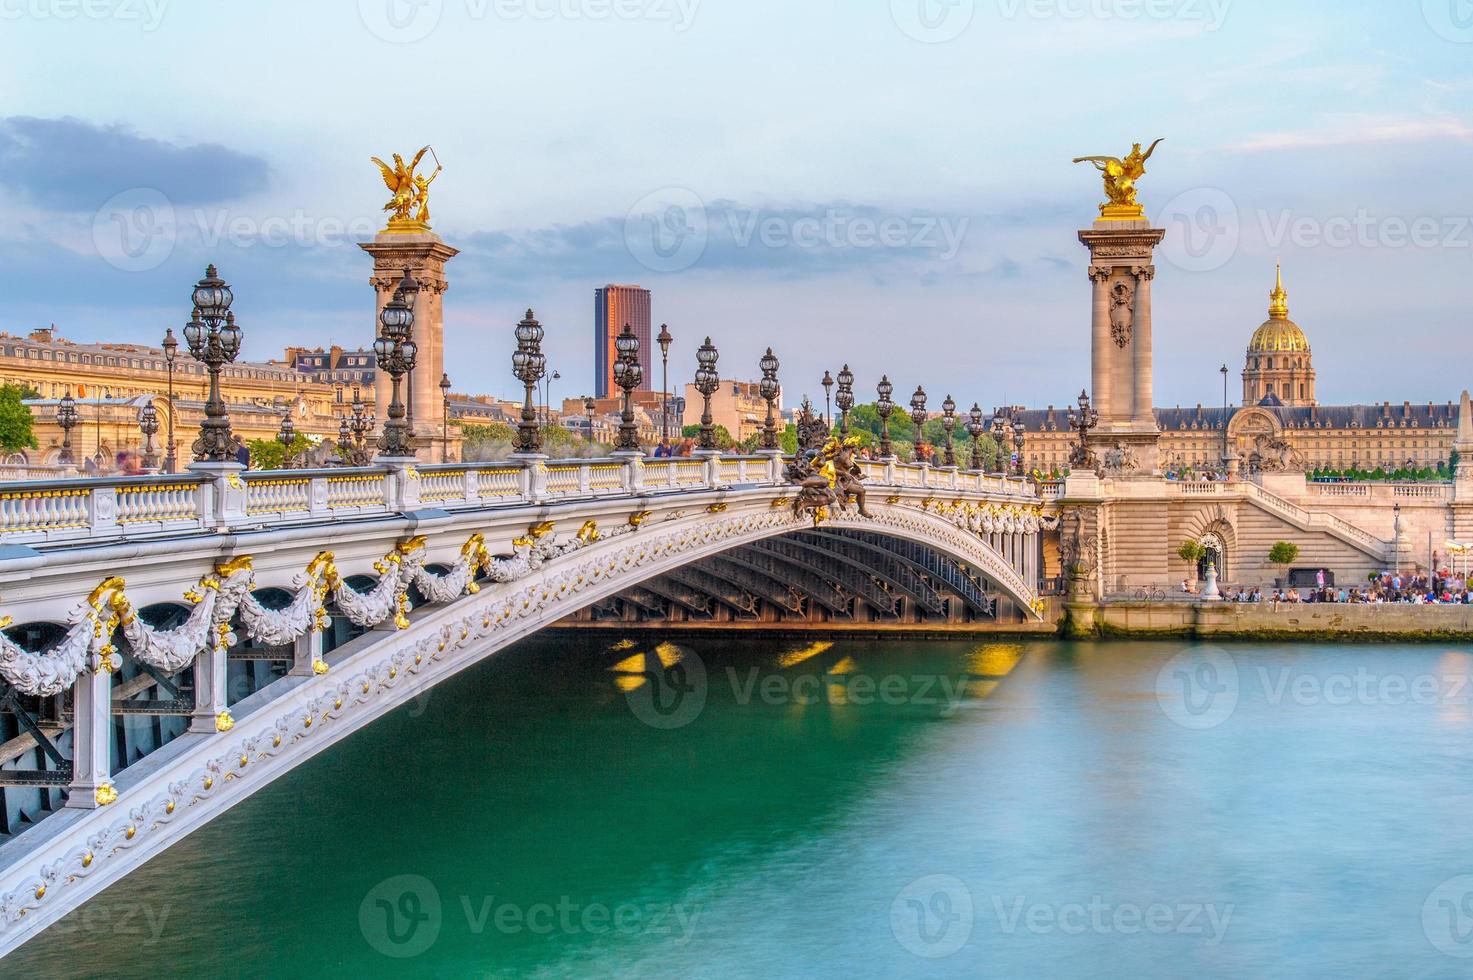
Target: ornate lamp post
x=214 y=341
x=828 y=387
x=948 y=424
x=1019 y=439
x=357 y=426
x=588 y=406
x=528 y=364
x=148 y=424
x=769 y=390
x=845 y=399
x=1082 y=422
x=884 y=407
x=396 y=354
x=707 y=381
x=918 y=415
x=627 y=375
x=444 y=417
x=664 y=340
x=171 y=351
x=286 y=435
x=66 y=420
x=975 y=428
x=1002 y=435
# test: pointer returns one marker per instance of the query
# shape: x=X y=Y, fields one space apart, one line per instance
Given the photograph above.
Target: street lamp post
x=286 y=435
x=707 y=381
x=664 y=340
x=171 y=351
x=358 y=425
x=1019 y=440
x=883 y=408
x=918 y=416
x=444 y=417
x=627 y=375
x=845 y=399
x=948 y=424
x=975 y=428
x=1001 y=435
x=828 y=388
x=148 y=424
x=1083 y=421
x=528 y=364
x=66 y=420
x=769 y=389
x=588 y=407
x=396 y=353
x=1224 y=370
x=214 y=340
x=548 y=379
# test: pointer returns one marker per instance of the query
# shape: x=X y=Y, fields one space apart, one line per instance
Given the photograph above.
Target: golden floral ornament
x=718 y=508
x=638 y=517
x=105 y=794
x=320 y=667
x=223 y=722
x=588 y=533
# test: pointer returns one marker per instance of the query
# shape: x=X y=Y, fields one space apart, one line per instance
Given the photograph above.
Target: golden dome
x=1278 y=333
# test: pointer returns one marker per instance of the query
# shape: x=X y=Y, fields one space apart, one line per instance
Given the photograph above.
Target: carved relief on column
x=1122 y=313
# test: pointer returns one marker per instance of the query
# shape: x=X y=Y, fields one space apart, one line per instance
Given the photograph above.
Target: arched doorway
x=1214 y=554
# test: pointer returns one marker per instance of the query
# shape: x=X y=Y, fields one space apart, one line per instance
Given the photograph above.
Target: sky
x=886 y=183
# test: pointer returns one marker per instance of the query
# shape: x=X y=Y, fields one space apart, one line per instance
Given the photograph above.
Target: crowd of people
x=1444 y=588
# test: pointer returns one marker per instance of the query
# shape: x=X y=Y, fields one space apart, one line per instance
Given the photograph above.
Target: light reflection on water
x=719 y=807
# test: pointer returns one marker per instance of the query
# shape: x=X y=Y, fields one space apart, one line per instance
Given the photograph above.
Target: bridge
x=176 y=642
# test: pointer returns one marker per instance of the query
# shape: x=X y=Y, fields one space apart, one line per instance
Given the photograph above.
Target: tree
x=16 y=421
x=268 y=454
x=1283 y=554
x=1192 y=552
x=719 y=434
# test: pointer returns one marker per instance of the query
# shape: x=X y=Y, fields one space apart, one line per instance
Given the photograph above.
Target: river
x=607 y=806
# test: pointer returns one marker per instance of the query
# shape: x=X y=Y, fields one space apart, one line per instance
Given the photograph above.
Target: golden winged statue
x=1120 y=181
x=409 y=208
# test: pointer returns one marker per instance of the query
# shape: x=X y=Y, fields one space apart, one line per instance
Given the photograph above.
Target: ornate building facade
x=1280 y=424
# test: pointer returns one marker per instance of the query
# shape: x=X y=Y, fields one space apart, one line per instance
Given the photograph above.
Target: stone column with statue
x=1121 y=245
x=407 y=242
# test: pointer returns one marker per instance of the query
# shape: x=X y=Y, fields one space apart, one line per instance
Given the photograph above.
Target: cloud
x=1360 y=131
x=783 y=242
x=69 y=164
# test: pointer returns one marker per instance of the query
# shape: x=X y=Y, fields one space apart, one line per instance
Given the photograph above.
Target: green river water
x=602 y=806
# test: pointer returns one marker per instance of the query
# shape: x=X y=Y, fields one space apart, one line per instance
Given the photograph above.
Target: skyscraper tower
x=614 y=306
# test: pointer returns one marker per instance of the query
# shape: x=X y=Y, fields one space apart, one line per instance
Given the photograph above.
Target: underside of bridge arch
x=817 y=575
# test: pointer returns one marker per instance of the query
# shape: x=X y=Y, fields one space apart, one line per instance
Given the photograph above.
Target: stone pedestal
x=1120 y=269
x=224 y=496
x=1210 y=592
x=424 y=255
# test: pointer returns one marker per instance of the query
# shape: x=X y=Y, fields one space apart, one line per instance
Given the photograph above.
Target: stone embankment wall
x=1265 y=621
